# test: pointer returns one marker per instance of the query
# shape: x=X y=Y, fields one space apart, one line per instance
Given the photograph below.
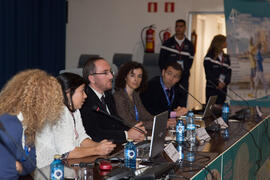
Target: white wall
x=107 y=26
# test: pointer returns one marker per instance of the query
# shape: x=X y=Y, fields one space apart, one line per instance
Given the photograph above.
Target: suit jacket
x=125 y=109
x=97 y=125
x=154 y=99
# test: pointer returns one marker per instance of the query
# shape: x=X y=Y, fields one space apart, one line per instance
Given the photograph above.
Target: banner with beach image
x=248 y=39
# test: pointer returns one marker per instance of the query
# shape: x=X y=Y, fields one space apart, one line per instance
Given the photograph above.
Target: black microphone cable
x=20 y=149
x=196 y=99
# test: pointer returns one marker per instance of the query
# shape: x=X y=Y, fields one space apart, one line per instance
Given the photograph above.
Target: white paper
x=202 y=135
x=171 y=151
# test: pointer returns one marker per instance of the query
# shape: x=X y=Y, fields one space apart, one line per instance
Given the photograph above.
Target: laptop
x=158 y=134
x=208 y=112
x=156 y=145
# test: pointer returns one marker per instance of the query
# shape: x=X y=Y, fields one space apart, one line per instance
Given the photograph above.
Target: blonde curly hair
x=37 y=95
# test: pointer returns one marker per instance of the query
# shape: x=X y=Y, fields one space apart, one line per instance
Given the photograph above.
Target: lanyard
x=135 y=109
x=179 y=48
x=170 y=102
x=136 y=113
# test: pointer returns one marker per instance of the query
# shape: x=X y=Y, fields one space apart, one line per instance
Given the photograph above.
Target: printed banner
x=248 y=38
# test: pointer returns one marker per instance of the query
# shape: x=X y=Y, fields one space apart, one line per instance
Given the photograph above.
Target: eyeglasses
x=107 y=73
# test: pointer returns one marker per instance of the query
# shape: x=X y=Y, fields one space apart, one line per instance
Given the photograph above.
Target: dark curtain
x=32 y=35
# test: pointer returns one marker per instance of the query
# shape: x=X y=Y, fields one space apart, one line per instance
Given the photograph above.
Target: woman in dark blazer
x=217 y=66
x=130 y=81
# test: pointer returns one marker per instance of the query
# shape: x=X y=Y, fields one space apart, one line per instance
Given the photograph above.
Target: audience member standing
x=178 y=49
x=217 y=66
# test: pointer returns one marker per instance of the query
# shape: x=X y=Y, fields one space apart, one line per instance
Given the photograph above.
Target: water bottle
x=225 y=113
x=191 y=134
x=57 y=168
x=180 y=131
x=225 y=117
x=191 y=137
x=130 y=155
x=180 y=152
x=191 y=154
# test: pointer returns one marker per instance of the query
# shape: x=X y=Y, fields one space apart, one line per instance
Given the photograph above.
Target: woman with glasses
x=68 y=136
x=130 y=81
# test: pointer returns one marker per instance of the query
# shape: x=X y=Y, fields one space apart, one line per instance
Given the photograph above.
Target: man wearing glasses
x=98 y=113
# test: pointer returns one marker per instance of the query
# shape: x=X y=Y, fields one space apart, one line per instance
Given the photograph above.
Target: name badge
x=221 y=78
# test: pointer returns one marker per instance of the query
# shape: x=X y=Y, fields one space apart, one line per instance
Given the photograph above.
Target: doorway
x=206 y=25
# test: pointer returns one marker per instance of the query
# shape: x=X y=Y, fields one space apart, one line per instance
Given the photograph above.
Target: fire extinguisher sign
x=152 y=7
x=169 y=7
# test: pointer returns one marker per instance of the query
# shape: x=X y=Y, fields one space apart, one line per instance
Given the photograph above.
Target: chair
x=72 y=70
x=84 y=57
x=121 y=58
x=150 y=63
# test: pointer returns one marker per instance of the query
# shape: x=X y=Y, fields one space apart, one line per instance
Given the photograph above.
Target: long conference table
x=244 y=156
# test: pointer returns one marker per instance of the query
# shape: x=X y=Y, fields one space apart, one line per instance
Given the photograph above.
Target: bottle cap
x=129 y=140
x=57 y=156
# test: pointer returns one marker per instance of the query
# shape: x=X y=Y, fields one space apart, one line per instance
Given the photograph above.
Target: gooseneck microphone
x=215 y=86
x=186 y=91
x=2 y=128
x=97 y=109
x=241 y=112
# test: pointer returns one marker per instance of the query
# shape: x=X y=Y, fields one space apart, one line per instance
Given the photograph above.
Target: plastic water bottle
x=180 y=152
x=191 y=154
x=191 y=137
x=57 y=168
x=180 y=131
x=130 y=155
x=225 y=113
x=191 y=133
x=225 y=117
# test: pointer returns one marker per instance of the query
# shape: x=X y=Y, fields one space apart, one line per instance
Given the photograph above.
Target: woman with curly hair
x=68 y=136
x=30 y=100
x=130 y=81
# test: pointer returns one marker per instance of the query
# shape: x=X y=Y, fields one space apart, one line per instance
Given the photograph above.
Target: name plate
x=172 y=153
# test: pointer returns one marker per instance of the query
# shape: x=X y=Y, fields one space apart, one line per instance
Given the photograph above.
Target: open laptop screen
x=158 y=134
x=208 y=109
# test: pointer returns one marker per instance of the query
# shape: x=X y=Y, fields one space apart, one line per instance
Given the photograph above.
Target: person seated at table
x=29 y=101
x=130 y=81
x=68 y=137
x=99 y=115
x=162 y=95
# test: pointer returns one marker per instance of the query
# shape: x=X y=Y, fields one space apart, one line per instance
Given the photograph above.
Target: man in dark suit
x=161 y=93
x=178 y=49
x=99 y=126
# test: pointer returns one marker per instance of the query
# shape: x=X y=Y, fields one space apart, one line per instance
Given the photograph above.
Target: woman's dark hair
x=216 y=45
x=120 y=82
x=69 y=83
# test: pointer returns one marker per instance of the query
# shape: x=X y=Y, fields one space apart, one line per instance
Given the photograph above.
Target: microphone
x=20 y=149
x=214 y=85
x=239 y=114
x=182 y=87
x=186 y=91
x=97 y=109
